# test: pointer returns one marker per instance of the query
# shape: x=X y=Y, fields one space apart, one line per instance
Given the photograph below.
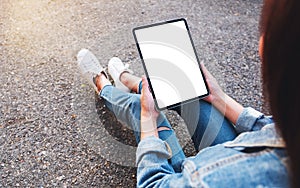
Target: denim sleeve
x=153 y=167
x=251 y=120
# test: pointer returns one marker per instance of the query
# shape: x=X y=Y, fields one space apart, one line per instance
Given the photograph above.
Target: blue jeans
x=205 y=124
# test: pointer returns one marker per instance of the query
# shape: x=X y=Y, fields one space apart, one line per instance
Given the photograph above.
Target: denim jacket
x=255 y=158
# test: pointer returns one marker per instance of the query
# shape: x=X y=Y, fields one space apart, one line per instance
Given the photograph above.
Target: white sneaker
x=89 y=66
x=115 y=68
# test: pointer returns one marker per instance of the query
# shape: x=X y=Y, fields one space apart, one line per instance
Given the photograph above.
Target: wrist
x=148 y=126
x=230 y=108
x=147 y=115
x=148 y=133
x=148 y=122
x=220 y=102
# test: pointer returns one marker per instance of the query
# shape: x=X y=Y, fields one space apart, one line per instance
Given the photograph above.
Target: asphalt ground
x=54 y=131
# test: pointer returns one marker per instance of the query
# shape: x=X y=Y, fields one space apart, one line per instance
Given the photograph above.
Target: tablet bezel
x=146 y=72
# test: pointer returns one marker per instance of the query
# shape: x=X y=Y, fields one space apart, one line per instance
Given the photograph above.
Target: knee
x=135 y=102
x=135 y=107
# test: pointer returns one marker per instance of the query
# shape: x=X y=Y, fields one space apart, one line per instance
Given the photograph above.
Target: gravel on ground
x=54 y=131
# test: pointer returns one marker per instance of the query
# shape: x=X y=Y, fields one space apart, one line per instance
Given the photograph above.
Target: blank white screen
x=171 y=63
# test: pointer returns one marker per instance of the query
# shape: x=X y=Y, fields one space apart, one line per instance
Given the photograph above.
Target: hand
x=148 y=112
x=224 y=103
x=216 y=92
x=148 y=109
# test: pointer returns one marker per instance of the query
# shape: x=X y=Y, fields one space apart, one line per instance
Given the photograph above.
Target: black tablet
x=171 y=63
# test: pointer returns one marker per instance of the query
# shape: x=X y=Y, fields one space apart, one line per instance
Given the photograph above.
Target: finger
x=145 y=85
x=205 y=71
x=146 y=94
x=144 y=81
x=203 y=66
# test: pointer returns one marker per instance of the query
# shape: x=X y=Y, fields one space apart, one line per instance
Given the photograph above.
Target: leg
x=206 y=125
x=127 y=109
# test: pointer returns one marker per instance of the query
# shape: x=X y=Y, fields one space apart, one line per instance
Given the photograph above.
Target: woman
x=279 y=51
x=249 y=149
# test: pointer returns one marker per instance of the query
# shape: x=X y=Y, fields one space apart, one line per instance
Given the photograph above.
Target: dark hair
x=280 y=28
